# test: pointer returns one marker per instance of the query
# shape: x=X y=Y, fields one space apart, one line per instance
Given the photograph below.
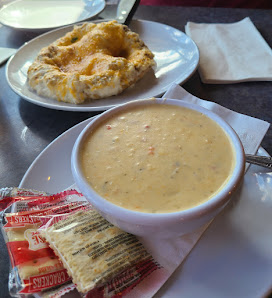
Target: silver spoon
x=263 y=161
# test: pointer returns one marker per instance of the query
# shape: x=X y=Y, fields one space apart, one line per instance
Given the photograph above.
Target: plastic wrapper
x=34 y=266
x=95 y=253
x=59 y=243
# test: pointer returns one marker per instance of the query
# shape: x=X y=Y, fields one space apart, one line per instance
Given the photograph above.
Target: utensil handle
x=125 y=11
x=263 y=161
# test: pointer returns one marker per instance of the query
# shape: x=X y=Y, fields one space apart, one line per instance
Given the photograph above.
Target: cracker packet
x=34 y=266
x=78 y=253
x=102 y=260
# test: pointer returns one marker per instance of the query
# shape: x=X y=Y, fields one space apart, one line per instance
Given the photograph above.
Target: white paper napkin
x=231 y=53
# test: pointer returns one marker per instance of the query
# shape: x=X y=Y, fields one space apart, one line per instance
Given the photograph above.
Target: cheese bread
x=93 y=61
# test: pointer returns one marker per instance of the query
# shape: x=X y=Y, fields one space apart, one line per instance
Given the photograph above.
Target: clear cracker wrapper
x=59 y=243
x=92 y=250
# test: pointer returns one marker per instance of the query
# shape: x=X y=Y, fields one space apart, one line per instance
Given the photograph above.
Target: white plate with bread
x=176 y=57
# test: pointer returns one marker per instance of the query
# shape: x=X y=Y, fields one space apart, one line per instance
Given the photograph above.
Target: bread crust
x=93 y=61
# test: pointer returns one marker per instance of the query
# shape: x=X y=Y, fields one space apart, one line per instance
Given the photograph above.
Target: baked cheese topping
x=95 y=60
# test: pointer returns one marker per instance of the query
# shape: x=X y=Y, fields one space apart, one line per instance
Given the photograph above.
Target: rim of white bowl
x=150 y=218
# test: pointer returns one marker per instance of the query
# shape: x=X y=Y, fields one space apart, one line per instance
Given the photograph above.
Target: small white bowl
x=163 y=225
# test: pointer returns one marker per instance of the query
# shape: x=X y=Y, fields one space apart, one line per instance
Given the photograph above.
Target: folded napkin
x=231 y=53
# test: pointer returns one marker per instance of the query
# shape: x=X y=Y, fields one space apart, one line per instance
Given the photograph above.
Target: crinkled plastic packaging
x=93 y=250
x=59 y=243
x=34 y=266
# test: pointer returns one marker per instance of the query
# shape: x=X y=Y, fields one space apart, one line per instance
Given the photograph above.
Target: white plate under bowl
x=39 y=15
x=176 y=56
x=234 y=256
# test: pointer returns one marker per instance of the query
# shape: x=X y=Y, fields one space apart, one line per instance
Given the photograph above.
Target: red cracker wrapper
x=34 y=266
x=143 y=279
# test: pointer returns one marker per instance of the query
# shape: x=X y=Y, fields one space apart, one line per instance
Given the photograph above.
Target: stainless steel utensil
x=125 y=11
x=263 y=161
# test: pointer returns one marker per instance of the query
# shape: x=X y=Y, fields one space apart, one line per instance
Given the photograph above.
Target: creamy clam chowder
x=157 y=158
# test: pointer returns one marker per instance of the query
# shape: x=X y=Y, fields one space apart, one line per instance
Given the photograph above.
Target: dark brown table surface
x=44 y=125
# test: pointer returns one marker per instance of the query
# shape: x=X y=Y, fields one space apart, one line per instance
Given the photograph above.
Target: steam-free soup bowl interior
x=162 y=225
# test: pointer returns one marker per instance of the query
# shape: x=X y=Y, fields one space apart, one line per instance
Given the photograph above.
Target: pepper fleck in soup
x=157 y=158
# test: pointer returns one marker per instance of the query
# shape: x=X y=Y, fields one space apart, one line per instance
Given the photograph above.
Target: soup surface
x=157 y=159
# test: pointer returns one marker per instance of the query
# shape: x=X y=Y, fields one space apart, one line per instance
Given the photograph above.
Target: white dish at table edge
x=39 y=15
x=232 y=259
x=176 y=55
